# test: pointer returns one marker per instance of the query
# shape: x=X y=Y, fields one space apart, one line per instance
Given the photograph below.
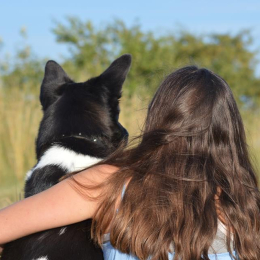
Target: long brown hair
x=193 y=144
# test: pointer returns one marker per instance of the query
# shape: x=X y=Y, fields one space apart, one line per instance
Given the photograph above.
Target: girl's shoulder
x=97 y=173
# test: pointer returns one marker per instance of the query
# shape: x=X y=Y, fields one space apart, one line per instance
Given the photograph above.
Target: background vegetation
x=91 y=51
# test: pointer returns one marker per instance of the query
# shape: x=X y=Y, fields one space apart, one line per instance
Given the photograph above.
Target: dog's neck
x=65 y=158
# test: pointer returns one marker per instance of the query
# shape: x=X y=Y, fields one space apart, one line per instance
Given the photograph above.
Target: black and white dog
x=79 y=127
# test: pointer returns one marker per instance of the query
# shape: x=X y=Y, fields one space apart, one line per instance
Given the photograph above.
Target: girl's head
x=194 y=113
x=197 y=106
x=193 y=147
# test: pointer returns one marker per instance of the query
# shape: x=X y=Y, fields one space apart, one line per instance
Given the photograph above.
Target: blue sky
x=200 y=16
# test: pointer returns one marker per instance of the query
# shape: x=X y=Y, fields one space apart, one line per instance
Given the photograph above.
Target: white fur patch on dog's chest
x=64 y=158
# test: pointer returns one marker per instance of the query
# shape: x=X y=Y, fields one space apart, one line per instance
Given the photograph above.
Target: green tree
x=154 y=56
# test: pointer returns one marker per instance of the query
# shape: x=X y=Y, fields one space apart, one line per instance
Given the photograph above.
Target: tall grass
x=20 y=114
x=252 y=128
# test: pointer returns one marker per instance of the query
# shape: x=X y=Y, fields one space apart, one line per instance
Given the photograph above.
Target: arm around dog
x=58 y=206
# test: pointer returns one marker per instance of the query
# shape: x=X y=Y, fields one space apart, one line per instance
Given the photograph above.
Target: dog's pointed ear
x=114 y=76
x=54 y=78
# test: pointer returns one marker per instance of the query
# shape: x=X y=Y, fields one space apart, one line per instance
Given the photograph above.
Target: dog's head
x=82 y=116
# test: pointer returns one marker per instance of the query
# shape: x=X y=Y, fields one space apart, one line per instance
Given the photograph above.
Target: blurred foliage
x=155 y=55
x=91 y=49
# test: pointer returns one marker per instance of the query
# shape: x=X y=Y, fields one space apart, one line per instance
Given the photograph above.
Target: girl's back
x=217 y=251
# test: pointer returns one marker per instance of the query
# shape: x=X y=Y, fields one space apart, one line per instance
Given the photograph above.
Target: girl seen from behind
x=190 y=170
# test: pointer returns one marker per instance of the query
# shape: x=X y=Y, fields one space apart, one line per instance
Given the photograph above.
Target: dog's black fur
x=79 y=119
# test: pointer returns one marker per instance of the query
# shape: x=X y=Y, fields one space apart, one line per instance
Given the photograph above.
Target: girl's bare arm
x=60 y=205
